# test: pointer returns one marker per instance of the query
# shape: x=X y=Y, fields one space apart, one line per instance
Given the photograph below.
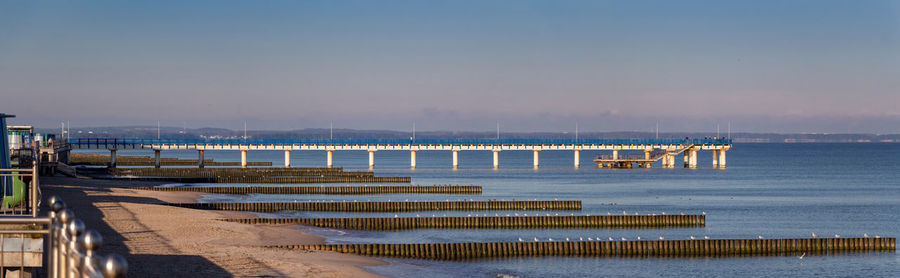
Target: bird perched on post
x=814 y=235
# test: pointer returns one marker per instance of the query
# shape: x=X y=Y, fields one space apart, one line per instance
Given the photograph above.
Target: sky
x=762 y=66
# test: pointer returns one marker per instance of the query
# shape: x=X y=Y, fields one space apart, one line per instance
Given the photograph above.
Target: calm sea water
x=769 y=190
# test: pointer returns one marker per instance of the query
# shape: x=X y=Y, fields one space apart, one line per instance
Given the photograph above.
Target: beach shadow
x=169 y=264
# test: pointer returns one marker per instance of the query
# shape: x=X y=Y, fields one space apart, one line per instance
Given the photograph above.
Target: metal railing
x=72 y=251
x=22 y=201
x=24 y=253
x=622 y=157
x=58 y=244
x=79 y=142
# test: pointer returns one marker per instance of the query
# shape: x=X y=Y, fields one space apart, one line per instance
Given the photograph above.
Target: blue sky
x=780 y=66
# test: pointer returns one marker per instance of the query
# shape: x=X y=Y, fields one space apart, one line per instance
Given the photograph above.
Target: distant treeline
x=319 y=133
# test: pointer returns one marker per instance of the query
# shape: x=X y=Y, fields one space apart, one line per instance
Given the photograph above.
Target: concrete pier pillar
x=200 y=159
x=329 y=158
x=287 y=158
x=615 y=154
x=647 y=154
x=715 y=158
x=412 y=159
x=112 y=157
x=537 y=158
x=371 y=158
x=693 y=161
x=577 y=158
x=156 y=162
x=722 y=159
x=687 y=158
x=455 y=158
x=243 y=158
x=496 y=158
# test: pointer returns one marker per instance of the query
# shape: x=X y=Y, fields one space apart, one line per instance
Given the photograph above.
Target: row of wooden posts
x=490 y=222
x=261 y=175
x=128 y=160
x=643 y=248
x=369 y=206
x=338 y=190
x=242 y=172
x=473 y=250
x=312 y=180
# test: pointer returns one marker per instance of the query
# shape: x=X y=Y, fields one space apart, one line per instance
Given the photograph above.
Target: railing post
x=74 y=229
x=90 y=241
x=33 y=192
x=56 y=207
x=62 y=219
x=114 y=266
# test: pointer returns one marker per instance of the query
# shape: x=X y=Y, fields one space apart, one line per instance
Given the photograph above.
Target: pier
x=654 y=149
x=598 y=248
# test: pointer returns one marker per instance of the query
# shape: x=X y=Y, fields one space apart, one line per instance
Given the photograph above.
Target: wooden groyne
x=491 y=222
x=312 y=180
x=646 y=248
x=128 y=160
x=260 y=175
x=335 y=190
x=387 y=206
x=241 y=172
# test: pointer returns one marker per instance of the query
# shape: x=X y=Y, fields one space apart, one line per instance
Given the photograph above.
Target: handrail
x=17 y=170
x=25 y=220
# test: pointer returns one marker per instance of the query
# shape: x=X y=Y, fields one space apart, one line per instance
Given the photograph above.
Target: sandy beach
x=164 y=241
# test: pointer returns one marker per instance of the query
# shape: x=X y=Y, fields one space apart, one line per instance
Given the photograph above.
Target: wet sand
x=165 y=241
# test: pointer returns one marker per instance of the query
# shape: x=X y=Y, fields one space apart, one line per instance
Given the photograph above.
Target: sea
x=772 y=190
